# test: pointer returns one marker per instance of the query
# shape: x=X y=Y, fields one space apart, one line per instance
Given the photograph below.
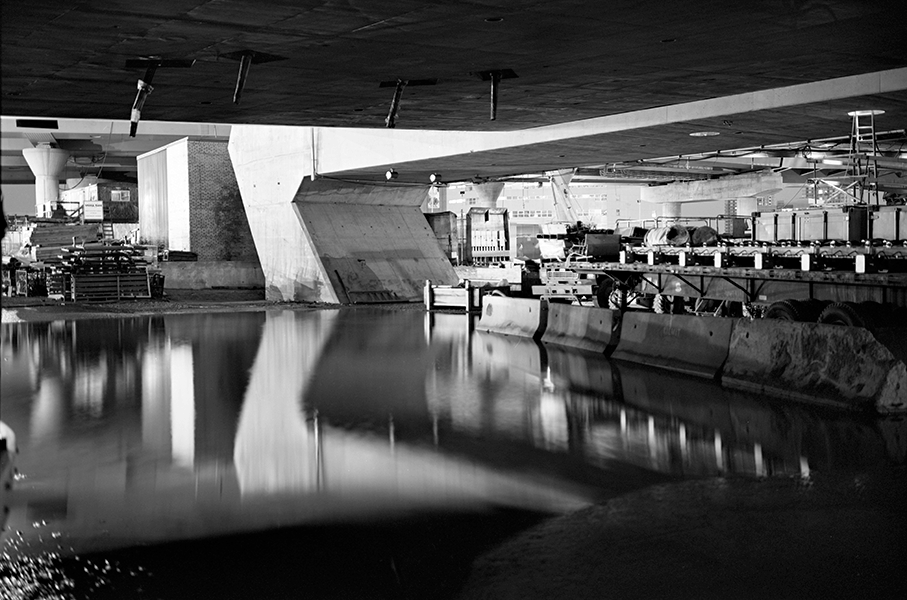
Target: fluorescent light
x=831 y=161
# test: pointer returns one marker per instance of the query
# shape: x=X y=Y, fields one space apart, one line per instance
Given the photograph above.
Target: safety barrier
x=513 y=316
x=830 y=364
x=580 y=326
x=688 y=344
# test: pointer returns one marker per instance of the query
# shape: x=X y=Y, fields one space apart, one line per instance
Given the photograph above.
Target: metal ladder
x=862 y=170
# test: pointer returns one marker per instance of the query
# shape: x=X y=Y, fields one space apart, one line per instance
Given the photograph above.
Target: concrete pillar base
x=327 y=240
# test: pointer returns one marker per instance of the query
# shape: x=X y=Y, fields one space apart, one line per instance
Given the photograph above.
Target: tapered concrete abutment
x=326 y=240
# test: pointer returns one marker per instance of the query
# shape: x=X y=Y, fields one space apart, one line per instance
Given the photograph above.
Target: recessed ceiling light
x=705 y=133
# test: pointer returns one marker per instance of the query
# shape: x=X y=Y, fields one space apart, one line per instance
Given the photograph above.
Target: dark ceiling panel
x=575 y=60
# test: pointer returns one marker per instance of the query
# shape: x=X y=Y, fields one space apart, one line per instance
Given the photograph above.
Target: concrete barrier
x=513 y=316
x=201 y=275
x=583 y=327
x=688 y=344
x=826 y=364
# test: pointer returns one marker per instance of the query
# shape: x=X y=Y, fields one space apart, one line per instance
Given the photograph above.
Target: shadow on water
x=351 y=453
x=419 y=556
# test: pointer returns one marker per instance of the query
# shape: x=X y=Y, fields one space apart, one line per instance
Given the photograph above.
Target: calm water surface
x=348 y=453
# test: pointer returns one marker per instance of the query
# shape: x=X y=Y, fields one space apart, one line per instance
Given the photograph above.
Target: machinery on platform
x=841 y=261
x=851 y=282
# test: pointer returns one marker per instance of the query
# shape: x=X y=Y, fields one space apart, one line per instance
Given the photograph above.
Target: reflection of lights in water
x=683 y=441
x=553 y=418
x=547 y=383
x=760 y=465
x=390 y=430
x=29 y=573
x=652 y=441
x=88 y=388
x=804 y=467
x=719 y=453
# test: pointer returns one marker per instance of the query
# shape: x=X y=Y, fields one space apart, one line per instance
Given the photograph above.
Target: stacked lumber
x=48 y=238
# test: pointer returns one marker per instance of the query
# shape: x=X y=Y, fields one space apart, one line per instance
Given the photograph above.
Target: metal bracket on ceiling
x=391 y=120
x=151 y=65
x=246 y=59
x=495 y=76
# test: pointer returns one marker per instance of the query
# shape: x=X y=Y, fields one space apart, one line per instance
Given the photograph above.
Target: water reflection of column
x=156 y=398
x=760 y=464
x=50 y=409
x=683 y=442
x=719 y=451
x=182 y=405
x=653 y=441
x=804 y=467
x=274 y=449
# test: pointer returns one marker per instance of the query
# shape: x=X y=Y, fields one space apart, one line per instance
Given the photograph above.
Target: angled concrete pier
x=327 y=240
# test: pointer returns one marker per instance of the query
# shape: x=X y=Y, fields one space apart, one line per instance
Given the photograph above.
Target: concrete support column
x=488 y=194
x=671 y=209
x=47 y=165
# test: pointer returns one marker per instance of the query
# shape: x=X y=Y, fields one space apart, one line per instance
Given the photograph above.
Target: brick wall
x=218 y=227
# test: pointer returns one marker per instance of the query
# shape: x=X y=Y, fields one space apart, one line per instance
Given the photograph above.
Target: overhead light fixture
x=435 y=178
x=391 y=174
x=150 y=64
x=705 y=133
x=831 y=161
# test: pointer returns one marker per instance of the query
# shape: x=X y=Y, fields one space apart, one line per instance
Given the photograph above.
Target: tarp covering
x=674 y=235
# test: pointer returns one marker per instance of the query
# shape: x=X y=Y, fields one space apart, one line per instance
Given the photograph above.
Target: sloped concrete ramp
x=326 y=240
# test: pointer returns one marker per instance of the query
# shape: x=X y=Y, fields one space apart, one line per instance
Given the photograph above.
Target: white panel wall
x=178 y=195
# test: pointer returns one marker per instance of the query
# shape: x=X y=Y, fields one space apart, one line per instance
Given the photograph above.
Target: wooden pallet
x=467 y=298
x=107 y=287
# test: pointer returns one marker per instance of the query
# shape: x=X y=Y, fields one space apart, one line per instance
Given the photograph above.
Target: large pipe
x=47 y=165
